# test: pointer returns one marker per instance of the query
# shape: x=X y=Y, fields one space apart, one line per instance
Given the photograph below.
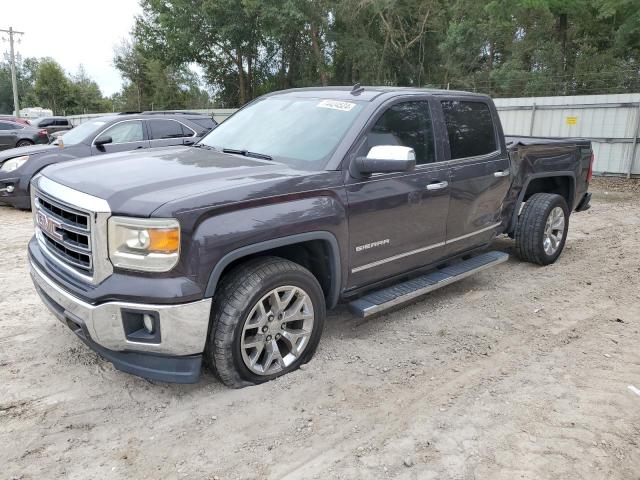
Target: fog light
x=148 y=322
x=10 y=188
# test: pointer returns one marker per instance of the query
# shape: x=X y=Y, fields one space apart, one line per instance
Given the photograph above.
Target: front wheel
x=24 y=143
x=542 y=227
x=267 y=320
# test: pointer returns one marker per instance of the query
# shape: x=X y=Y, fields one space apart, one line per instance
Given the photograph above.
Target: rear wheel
x=542 y=227
x=24 y=143
x=267 y=320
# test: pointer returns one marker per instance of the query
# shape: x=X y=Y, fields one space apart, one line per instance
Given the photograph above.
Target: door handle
x=502 y=173
x=437 y=185
x=138 y=148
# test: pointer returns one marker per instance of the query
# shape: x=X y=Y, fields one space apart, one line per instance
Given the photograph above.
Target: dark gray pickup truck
x=233 y=249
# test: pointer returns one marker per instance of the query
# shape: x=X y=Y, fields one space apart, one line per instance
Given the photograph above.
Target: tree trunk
x=315 y=45
x=242 y=84
x=563 y=25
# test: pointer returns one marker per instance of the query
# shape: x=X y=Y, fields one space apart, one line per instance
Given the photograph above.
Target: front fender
x=219 y=240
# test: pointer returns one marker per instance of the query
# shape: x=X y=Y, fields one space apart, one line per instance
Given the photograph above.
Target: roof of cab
x=366 y=93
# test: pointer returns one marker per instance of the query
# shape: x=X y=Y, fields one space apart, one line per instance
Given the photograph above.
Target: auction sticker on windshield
x=336 y=105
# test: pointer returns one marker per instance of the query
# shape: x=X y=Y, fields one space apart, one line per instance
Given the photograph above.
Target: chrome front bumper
x=183 y=327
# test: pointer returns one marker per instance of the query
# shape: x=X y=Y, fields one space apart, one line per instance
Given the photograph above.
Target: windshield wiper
x=202 y=145
x=247 y=153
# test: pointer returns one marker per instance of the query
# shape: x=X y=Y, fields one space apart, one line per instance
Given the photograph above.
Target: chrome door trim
x=396 y=257
x=423 y=249
x=482 y=230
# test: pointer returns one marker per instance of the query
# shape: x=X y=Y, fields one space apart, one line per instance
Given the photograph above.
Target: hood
x=138 y=183
x=30 y=150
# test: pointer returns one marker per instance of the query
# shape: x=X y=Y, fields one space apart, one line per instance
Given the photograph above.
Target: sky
x=72 y=32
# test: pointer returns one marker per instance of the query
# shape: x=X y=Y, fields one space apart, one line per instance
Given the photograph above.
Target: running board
x=406 y=291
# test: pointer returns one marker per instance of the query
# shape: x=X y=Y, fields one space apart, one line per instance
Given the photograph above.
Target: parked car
x=14 y=134
x=116 y=133
x=9 y=118
x=232 y=250
x=52 y=124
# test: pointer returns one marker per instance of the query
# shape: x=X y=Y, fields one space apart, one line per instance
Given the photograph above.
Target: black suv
x=52 y=124
x=109 y=134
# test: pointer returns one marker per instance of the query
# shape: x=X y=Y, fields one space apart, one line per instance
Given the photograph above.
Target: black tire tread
x=530 y=227
x=230 y=301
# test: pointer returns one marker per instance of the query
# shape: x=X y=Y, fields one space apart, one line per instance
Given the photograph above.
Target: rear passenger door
x=165 y=132
x=8 y=135
x=479 y=174
x=61 y=124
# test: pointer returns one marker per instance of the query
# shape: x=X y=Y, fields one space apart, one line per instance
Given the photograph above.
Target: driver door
x=126 y=135
x=397 y=221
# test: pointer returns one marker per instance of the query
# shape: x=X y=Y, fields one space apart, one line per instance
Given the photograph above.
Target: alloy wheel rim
x=277 y=330
x=553 y=231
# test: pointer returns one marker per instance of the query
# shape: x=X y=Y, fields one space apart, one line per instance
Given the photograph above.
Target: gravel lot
x=518 y=372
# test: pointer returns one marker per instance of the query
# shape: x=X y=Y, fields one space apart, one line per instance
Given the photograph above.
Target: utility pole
x=12 y=61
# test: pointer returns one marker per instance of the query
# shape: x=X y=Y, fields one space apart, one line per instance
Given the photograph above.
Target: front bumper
x=13 y=191
x=175 y=357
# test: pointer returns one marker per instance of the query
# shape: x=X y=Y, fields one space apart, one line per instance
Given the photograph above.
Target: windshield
x=78 y=134
x=300 y=132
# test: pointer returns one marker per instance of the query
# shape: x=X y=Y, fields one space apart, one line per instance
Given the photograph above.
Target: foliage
x=501 y=47
x=245 y=48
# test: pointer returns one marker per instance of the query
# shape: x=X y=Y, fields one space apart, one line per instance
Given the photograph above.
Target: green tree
x=52 y=87
x=85 y=95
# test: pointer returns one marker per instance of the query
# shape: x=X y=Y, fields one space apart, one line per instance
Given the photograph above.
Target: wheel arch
x=308 y=249
x=561 y=183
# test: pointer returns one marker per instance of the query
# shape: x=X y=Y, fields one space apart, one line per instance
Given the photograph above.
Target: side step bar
x=406 y=291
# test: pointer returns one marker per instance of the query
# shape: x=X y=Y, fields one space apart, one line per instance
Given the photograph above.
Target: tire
x=534 y=232
x=24 y=143
x=237 y=302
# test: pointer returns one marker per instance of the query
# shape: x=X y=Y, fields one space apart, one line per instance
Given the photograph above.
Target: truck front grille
x=65 y=231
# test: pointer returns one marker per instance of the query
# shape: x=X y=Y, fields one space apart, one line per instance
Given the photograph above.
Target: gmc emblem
x=49 y=225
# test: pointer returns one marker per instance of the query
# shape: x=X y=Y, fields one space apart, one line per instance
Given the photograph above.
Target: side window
x=45 y=123
x=207 y=123
x=407 y=124
x=8 y=126
x=62 y=122
x=470 y=128
x=125 y=132
x=186 y=131
x=162 y=129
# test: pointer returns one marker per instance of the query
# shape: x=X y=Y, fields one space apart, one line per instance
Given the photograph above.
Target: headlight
x=147 y=244
x=14 y=163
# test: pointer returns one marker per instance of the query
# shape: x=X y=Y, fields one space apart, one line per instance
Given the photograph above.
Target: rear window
x=9 y=126
x=470 y=128
x=204 y=122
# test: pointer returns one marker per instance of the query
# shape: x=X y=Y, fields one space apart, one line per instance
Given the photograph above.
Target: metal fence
x=611 y=122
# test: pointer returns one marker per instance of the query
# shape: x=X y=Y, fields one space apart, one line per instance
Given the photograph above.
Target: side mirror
x=387 y=159
x=102 y=140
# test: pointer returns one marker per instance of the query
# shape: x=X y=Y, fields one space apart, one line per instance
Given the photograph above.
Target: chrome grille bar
x=71 y=229
x=66 y=231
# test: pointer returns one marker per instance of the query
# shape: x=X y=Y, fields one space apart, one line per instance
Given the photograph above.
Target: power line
x=12 y=61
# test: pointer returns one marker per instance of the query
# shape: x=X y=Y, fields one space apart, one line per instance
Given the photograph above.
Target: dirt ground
x=519 y=372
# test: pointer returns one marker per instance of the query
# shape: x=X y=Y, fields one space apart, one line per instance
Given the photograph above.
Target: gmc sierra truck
x=231 y=250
